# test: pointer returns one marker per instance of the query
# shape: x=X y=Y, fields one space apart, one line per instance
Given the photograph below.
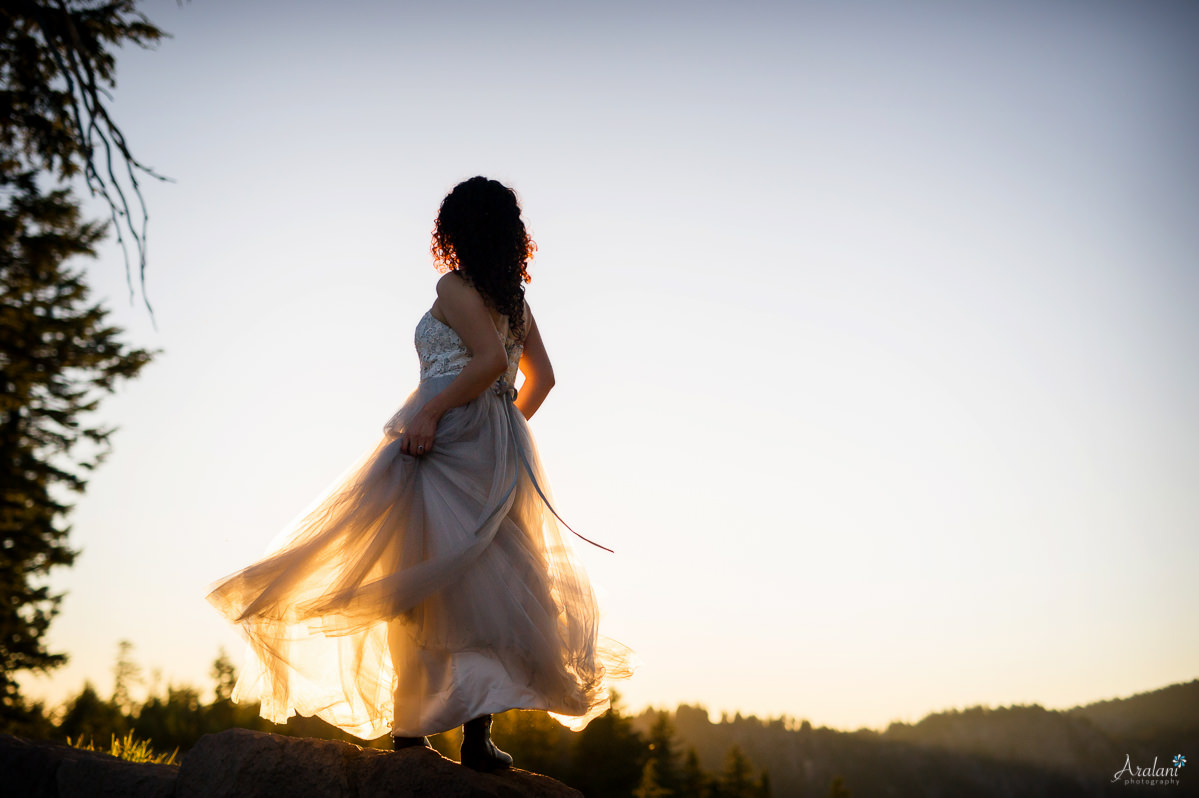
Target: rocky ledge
x=249 y=764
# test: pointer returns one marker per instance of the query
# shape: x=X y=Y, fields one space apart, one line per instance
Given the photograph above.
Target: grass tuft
x=129 y=749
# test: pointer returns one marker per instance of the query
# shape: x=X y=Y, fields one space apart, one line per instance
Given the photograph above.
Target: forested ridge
x=1021 y=750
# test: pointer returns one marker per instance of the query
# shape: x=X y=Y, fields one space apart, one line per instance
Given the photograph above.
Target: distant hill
x=1018 y=751
x=1158 y=719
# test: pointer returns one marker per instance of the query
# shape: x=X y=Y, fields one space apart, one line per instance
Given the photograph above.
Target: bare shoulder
x=455 y=291
x=452 y=284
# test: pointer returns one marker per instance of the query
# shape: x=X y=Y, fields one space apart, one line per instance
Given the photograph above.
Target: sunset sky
x=874 y=327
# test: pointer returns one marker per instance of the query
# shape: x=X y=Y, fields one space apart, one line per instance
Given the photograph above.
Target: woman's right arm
x=535 y=365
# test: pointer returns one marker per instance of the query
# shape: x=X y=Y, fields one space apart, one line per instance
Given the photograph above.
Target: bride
x=430 y=586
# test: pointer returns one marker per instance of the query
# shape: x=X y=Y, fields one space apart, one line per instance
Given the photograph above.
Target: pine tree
x=58 y=356
x=56 y=65
x=663 y=754
x=125 y=674
x=651 y=784
x=537 y=741
x=609 y=756
x=692 y=781
x=221 y=713
x=737 y=779
x=224 y=675
x=89 y=718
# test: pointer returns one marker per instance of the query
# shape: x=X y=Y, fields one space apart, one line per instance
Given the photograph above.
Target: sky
x=873 y=327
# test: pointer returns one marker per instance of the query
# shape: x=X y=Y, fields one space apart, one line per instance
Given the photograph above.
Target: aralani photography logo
x=1130 y=774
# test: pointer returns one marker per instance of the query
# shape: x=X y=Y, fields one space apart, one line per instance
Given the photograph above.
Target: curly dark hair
x=480 y=235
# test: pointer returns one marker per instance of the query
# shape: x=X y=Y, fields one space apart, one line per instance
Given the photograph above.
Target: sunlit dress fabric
x=421 y=592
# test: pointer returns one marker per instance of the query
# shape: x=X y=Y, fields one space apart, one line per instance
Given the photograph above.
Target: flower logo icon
x=1179 y=760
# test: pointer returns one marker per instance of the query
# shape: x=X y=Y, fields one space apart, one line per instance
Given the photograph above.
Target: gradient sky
x=874 y=327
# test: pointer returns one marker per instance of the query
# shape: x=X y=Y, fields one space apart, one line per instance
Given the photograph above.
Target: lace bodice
x=442 y=352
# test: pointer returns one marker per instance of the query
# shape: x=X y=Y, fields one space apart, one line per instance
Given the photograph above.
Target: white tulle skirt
x=421 y=592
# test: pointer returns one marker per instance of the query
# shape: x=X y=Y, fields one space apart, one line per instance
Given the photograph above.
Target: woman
x=430 y=587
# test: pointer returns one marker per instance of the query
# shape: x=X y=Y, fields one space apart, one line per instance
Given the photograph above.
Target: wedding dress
x=421 y=592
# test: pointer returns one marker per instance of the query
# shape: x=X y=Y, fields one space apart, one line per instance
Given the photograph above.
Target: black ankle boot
x=478 y=751
x=409 y=742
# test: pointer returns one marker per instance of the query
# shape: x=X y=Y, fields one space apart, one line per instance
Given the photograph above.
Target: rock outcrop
x=31 y=769
x=249 y=764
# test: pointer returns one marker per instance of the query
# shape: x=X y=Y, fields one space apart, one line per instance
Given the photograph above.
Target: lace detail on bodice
x=442 y=352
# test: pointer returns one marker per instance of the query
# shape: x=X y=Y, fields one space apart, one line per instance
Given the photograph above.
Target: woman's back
x=442 y=352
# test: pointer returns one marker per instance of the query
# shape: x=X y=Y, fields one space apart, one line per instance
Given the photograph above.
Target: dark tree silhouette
x=692 y=780
x=651 y=783
x=224 y=676
x=125 y=674
x=536 y=740
x=56 y=67
x=737 y=780
x=90 y=718
x=609 y=756
x=664 y=756
x=58 y=356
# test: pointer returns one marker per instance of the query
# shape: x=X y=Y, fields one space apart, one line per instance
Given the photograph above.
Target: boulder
x=31 y=769
x=250 y=764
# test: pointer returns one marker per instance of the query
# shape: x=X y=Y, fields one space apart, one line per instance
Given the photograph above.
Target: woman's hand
x=418 y=435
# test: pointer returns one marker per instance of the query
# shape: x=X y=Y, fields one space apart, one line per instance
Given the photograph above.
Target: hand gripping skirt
x=421 y=592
